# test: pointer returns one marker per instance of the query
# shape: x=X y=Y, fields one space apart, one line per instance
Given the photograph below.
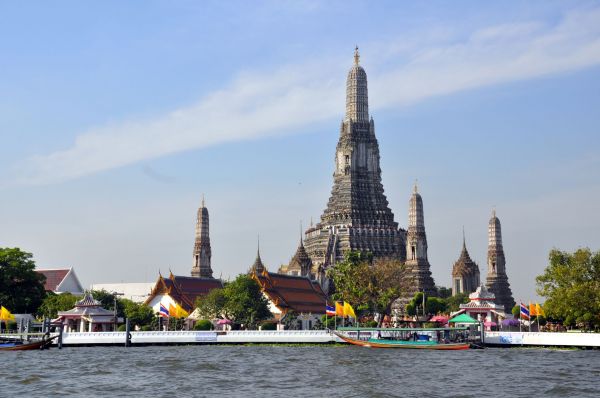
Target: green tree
x=571 y=286
x=453 y=302
x=245 y=303
x=516 y=311
x=108 y=300
x=370 y=286
x=56 y=302
x=203 y=324
x=433 y=305
x=21 y=288
x=212 y=305
x=138 y=314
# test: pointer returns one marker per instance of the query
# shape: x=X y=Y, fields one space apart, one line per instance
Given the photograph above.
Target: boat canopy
x=349 y=329
x=463 y=318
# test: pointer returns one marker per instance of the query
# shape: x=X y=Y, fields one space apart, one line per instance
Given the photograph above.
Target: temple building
x=416 y=248
x=465 y=273
x=497 y=280
x=182 y=290
x=482 y=306
x=258 y=266
x=88 y=315
x=357 y=216
x=300 y=264
x=61 y=280
x=298 y=294
x=202 y=254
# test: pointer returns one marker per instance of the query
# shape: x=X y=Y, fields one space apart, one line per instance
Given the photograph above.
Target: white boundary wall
x=543 y=339
x=191 y=337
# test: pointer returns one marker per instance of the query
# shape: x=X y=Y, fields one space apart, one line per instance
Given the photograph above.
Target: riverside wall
x=544 y=339
x=199 y=337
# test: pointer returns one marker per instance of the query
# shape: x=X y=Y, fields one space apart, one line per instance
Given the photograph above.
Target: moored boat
x=21 y=346
x=409 y=338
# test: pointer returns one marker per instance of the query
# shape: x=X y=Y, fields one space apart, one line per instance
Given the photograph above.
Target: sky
x=117 y=117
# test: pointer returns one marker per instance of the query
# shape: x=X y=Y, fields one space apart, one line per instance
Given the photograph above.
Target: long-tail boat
x=23 y=346
x=409 y=338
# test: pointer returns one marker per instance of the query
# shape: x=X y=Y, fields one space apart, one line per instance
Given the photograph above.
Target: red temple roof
x=184 y=289
x=53 y=277
x=296 y=293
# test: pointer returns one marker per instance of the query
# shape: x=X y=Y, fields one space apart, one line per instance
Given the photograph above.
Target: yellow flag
x=181 y=313
x=339 y=309
x=5 y=315
x=348 y=310
x=539 y=310
x=173 y=311
x=532 y=309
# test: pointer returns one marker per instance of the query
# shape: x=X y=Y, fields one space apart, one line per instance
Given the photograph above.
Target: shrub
x=203 y=324
x=146 y=328
x=122 y=328
x=371 y=324
x=269 y=326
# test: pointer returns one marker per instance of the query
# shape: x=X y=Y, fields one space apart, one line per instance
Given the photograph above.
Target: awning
x=463 y=318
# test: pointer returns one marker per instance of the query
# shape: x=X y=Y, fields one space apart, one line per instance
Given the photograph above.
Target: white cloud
x=259 y=105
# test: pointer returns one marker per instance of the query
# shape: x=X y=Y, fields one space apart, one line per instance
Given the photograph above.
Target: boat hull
x=36 y=345
x=375 y=343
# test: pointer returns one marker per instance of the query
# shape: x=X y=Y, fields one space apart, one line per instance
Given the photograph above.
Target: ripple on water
x=313 y=371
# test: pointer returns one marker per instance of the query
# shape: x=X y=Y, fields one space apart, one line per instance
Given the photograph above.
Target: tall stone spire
x=357 y=216
x=416 y=247
x=202 y=254
x=357 y=98
x=497 y=280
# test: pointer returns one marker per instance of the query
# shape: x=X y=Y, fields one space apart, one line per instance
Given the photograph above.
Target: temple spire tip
x=356 y=55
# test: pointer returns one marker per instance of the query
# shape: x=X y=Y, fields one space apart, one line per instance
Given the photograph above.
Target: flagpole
x=520 y=318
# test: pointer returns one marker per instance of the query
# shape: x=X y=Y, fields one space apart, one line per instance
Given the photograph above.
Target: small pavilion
x=87 y=316
x=483 y=308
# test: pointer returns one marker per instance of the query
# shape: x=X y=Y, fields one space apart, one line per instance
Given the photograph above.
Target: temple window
x=414 y=251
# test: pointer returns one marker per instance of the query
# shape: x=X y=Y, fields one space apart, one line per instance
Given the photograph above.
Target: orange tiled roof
x=184 y=289
x=297 y=293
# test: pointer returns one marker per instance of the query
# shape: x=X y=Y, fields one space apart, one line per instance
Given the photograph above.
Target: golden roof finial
x=356 y=55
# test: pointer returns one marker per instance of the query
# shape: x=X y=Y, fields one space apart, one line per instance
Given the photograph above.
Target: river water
x=298 y=371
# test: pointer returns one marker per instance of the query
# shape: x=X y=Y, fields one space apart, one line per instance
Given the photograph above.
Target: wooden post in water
x=127 y=333
x=60 y=336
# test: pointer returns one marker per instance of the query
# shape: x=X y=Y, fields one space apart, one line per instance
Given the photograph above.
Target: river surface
x=298 y=371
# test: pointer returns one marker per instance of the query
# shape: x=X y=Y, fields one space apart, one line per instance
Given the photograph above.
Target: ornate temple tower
x=416 y=248
x=202 y=253
x=465 y=273
x=497 y=281
x=300 y=264
x=258 y=267
x=357 y=216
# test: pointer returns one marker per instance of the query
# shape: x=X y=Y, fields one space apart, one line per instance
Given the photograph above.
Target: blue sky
x=115 y=118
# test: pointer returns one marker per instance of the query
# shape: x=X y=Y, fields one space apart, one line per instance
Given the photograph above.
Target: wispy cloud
x=279 y=102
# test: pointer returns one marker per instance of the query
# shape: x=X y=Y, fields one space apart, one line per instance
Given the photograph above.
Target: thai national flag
x=329 y=310
x=163 y=312
x=524 y=311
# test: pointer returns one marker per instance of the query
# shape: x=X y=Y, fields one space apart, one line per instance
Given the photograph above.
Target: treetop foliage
x=571 y=286
x=21 y=288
